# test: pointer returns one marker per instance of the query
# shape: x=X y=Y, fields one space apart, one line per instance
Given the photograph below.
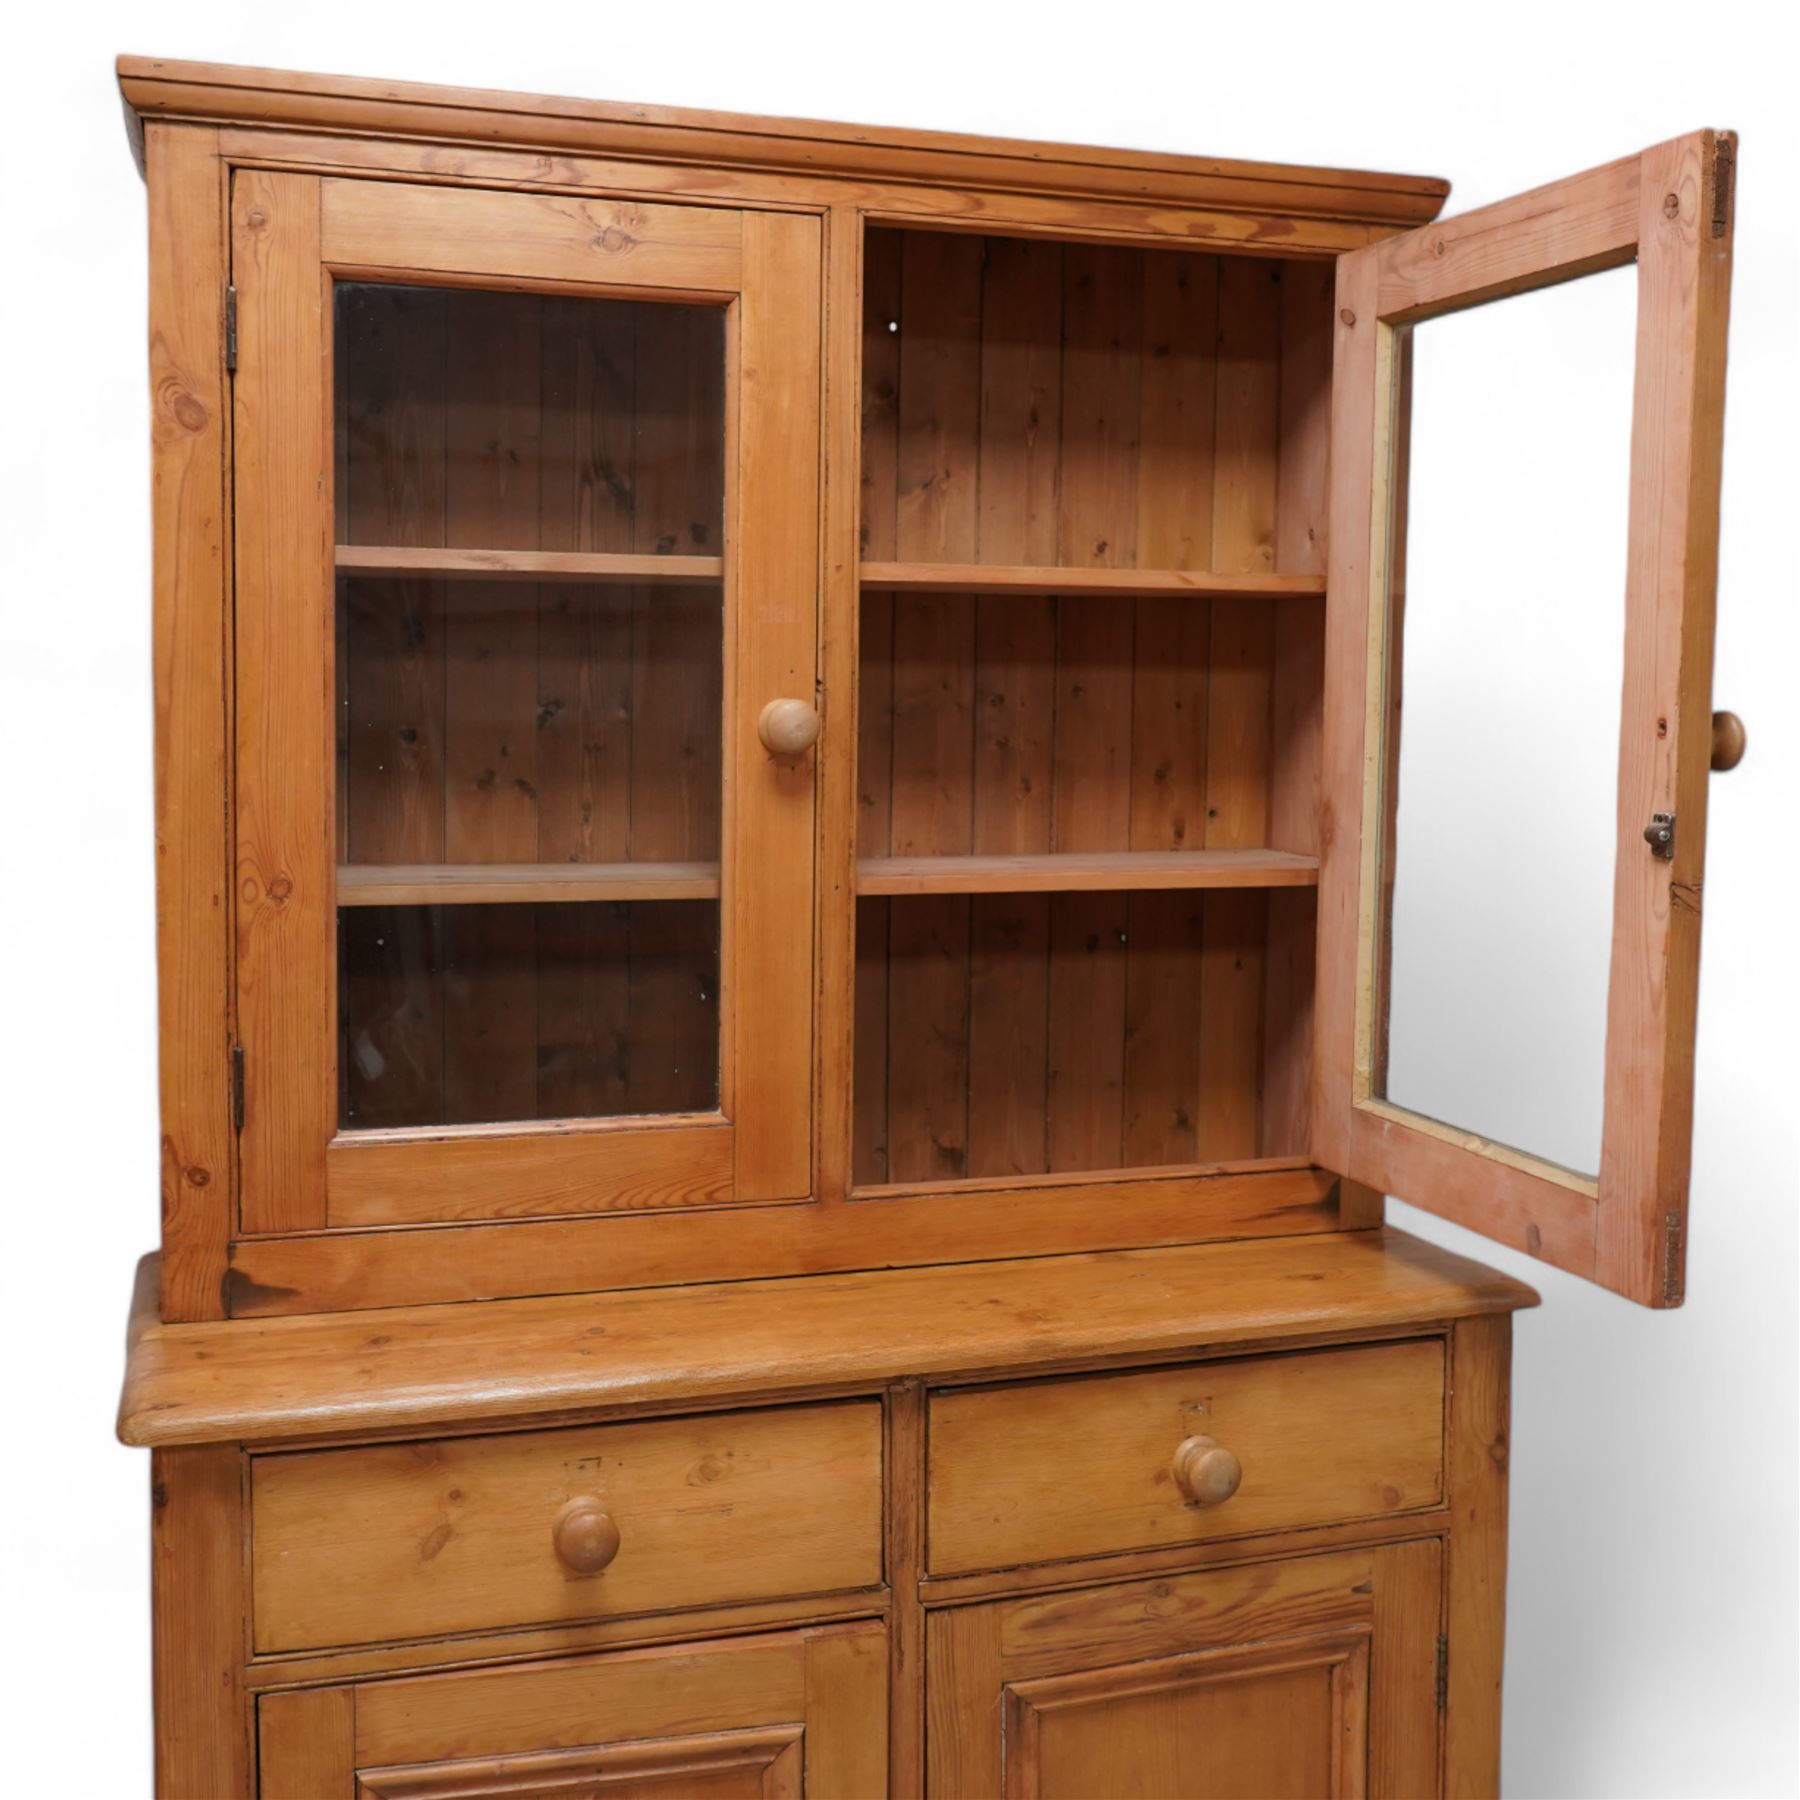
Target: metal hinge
x=1443 y=1673
x=237 y=1087
x=1659 y=834
x=231 y=330
x=1672 y=1263
x=1721 y=195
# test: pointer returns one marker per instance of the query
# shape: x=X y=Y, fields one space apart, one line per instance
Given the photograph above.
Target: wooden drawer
x=415 y=1540
x=1042 y=1470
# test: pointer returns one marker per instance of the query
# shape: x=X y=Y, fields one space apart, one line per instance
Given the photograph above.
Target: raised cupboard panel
x=773 y=1718
x=1293 y=1680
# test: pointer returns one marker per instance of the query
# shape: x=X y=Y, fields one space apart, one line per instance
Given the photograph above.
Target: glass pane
x=454 y=1015
x=529 y=757
x=1509 y=567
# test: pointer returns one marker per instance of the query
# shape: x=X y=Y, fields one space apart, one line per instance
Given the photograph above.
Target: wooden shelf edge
x=1077 y=872
x=520 y=884
x=531 y=565
x=262 y=1380
x=984 y=578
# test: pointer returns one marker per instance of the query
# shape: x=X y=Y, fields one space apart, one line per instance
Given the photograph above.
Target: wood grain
x=1130 y=429
x=283 y=816
x=917 y=1224
x=436 y=1365
x=457 y=1536
x=1117 y=1672
x=609 y=243
x=1475 y=1624
x=306 y=1744
x=189 y=419
x=792 y=1711
x=423 y=1177
x=903 y=1472
x=200 y=1603
x=1627 y=1229
x=1085 y=871
x=486 y=117
x=999 y=580
x=1677 y=440
x=776 y=624
x=483 y=884
x=1041 y=1472
x=468 y=563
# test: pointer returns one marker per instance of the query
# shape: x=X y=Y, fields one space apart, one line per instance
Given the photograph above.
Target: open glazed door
x=1509 y=940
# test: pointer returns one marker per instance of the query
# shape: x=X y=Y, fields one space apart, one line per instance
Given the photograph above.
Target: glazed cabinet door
x=1527 y=425
x=765 y=1719
x=1289 y=1681
x=526 y=616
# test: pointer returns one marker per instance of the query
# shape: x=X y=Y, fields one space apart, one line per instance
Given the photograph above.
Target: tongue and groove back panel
x=499 y=721
x=1090 y=406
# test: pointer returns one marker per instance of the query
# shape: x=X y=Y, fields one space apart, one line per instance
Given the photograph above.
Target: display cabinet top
x=339 y=104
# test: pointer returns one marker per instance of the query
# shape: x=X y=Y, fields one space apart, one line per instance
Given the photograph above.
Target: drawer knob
x=788 y=727
x=1206 y=1471
x=585 y=1536
x=1728 y=741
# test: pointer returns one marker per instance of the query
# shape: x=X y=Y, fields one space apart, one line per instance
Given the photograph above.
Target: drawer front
x=1043 y=1470
x=475 y=1534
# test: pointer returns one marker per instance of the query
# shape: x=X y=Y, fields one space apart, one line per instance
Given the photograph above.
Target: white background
x=1651 y=1647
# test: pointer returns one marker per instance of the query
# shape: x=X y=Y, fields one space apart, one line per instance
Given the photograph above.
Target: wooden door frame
x=293 y=236
x=1669 y=211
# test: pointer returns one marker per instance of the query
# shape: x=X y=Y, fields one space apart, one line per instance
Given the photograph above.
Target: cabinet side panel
x=1480 y=1433
x=199 y=1601
x=188 y=424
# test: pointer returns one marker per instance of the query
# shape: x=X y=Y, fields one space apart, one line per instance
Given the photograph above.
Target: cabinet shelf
x=987 y=578
x=530 y=565
x=1086 y=872
x=488 y=884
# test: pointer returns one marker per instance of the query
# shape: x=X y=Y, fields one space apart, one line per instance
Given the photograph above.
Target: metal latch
x=1659 y=834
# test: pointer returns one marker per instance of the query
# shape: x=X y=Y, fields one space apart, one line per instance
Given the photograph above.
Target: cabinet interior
x=1091 y=649
x=529 y=718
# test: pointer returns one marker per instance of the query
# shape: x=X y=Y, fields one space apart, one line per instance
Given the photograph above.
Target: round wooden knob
x=1206 y=1471
x=1729 y=739
x=788 y=727
x=585 y=1536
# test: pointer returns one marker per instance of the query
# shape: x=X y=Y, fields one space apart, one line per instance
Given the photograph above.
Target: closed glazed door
x=1288 y=1681
x=769 y=1719
x=524 y=682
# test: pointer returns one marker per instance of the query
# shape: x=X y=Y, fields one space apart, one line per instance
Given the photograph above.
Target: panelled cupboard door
x=1510 y=890
x=773 y=1718
x=526 y=541
x=1289 y=1681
